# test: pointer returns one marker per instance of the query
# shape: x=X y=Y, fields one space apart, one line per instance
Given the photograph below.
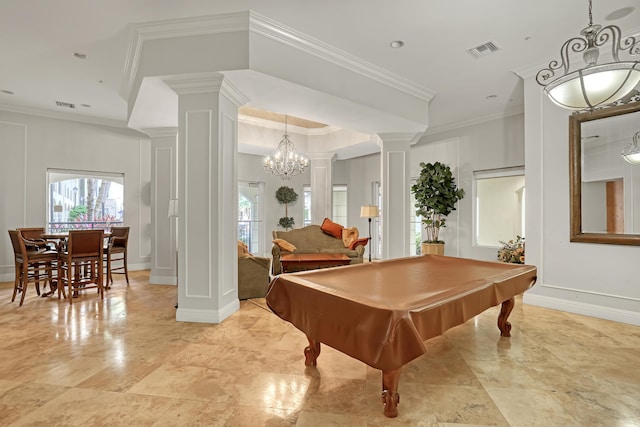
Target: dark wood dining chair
x=33 y=264
x=80 y=266
x=116 y=253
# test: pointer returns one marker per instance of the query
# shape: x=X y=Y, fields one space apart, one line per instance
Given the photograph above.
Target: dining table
x=60 y=241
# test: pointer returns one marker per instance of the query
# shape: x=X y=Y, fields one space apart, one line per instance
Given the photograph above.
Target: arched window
x=84 y=200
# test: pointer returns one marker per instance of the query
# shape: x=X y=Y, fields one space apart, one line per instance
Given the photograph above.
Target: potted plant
x=286 y=195
x=512 y=251
x=436 y=195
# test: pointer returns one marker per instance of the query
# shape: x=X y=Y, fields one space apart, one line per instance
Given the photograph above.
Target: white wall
x=492 y=144
x=250 y=168
x=588 y=278
x=31 y=144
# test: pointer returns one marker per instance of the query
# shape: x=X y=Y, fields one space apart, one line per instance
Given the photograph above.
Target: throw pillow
x=243 y=250
x=357 y=242
x=349 y=235
x=332 y=228
x=284 y=245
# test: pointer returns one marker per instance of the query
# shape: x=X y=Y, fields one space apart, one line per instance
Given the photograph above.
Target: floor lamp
x=173 y=213
x=369 y=212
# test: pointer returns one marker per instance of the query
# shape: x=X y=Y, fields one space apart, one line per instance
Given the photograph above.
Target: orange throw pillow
x=284 y=245
x=357 y=242
x=349 y=235
x=332 y=228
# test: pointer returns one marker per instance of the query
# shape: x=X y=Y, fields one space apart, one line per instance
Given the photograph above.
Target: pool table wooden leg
x=503 y=324
x=390 y=396
x=311 y=353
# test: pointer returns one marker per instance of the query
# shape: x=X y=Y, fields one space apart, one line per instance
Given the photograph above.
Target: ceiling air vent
x=65 y=104
x=484 y=49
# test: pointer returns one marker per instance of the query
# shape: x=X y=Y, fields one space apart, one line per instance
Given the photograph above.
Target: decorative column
x=321 y=170
x=164 y=162
x=395 y=176
x=208 y=203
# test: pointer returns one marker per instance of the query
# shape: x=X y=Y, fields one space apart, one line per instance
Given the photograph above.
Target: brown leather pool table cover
x=382 y=312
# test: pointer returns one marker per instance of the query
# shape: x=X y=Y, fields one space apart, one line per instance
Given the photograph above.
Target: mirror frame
x=575 y=177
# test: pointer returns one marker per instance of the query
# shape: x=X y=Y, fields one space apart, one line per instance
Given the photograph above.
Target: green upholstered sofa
x=311 y=239
x=253 y=277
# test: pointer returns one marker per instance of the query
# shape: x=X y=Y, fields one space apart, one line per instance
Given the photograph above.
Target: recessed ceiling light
x=396 y=44
x=80 y=55
x=492 y=96
x=8 y=92
x=85 y=105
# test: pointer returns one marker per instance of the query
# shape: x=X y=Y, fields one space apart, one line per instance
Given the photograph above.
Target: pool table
x=382 y=312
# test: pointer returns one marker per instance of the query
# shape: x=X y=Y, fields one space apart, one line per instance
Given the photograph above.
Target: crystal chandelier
x=594 y=85
x=285 y=162
x=632 y=152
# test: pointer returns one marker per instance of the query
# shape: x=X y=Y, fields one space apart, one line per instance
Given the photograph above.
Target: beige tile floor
x=126 y=361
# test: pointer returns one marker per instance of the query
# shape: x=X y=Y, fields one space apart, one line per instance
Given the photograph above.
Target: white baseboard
x=207 y=316
x=163 y=280
x=600 y=312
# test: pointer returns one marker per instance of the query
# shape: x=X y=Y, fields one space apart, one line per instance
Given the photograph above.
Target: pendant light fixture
x=285 y=162
x=631 y=153
x=593 y=85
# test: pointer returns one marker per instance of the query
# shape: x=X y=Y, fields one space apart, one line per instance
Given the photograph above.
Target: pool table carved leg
x=503 y=323
x=390 y=396
x=311 y=353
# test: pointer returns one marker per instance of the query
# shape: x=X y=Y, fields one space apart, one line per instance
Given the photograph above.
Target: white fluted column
x=321 y=170
x=395 y=174
x=164 y=186
x=207 y=184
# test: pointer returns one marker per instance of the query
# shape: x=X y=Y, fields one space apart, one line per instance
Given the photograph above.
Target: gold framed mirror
x=604 y=188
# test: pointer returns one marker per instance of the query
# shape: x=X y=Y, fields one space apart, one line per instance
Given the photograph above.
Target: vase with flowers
x=512 y=251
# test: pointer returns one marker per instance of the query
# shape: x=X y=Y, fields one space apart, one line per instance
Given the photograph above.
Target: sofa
x=253 y=274
x=312 y=239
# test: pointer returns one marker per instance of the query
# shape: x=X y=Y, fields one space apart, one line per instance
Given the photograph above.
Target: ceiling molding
x=477 y=120
x=262 y=25
x=64 y=116
x=173 y=28
x=269 y=124
x=165 y=132
x=258 y=24
x=196 y=83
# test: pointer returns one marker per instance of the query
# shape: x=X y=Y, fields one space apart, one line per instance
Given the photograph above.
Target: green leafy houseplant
x=436 y=195
x=286 y=195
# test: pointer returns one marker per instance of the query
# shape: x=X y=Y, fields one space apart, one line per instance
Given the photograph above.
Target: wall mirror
x=604 y=188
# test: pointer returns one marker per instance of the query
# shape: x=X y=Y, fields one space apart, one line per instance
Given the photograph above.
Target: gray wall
x=31 y=144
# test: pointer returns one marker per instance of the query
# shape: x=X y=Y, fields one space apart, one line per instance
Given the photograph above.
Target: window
x=376 y=227
x=306 y=220
x=415 y=226
x=499 y=205
x=339 y=210
x=84 y=200
x=340 y=204
x=250 y=195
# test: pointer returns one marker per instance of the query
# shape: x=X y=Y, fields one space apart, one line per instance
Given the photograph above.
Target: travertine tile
x=126 y=361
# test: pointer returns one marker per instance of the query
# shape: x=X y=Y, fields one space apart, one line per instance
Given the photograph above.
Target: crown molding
x=164 y=132
x=261 y=25
x=196 y=83
x=173 y=28
x=411 y=138
x=264 y=26
x=477 y=120
x=234 y=94
x=40 y=112
x=269 y=124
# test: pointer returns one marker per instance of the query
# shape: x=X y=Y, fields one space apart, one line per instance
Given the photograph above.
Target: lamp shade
x=173 y=208
x=369 y=211
x=632 y=152
x=594 y=86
